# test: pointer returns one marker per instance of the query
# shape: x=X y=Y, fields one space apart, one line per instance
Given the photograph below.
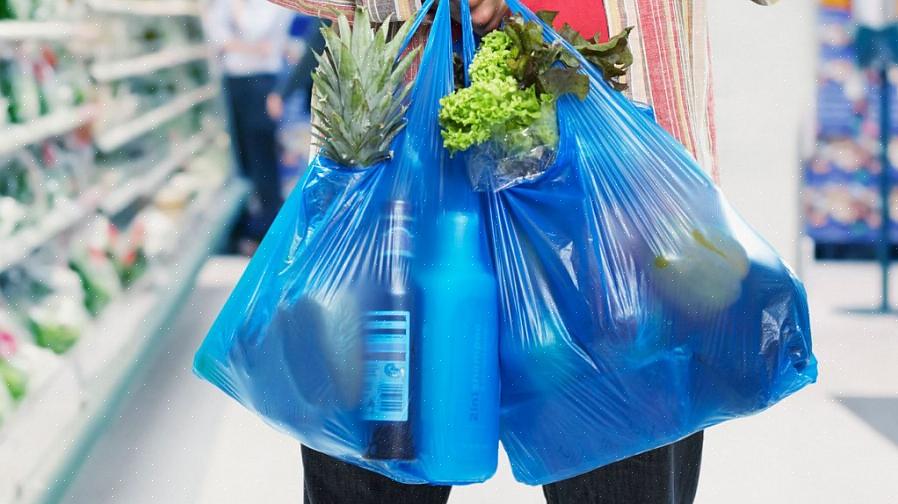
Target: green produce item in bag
x=706 y=276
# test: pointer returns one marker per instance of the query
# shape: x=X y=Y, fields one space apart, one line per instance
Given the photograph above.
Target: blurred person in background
x=289 y=104
x=250 y=37
x=299 y=77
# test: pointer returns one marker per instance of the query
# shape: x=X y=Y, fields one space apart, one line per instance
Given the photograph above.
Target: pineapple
x=360 y=90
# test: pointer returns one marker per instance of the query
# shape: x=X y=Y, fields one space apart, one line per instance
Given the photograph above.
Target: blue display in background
x=841 y=199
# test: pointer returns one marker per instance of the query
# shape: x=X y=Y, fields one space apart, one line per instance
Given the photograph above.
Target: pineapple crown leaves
x=361 y=90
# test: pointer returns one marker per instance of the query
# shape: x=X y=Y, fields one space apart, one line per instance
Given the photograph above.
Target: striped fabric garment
x=671 y=71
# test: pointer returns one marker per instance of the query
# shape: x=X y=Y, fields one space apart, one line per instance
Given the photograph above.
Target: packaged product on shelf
x=154 y=90
x=161 y=233
x=13 y=216
x=59 y=179
x=177 y=194
x=5 y=118
x=116 y=104
x=59 y=319
x=12 y=375
x=74 y=154
x=48 y=296
x=151 y=33
x=127 y=252
x=209 y=170
x=18 y=9
x=23 y=181
x=7 y=404
x=23 y=366
x=19 y=86
x=62 y=78
x=36 y=9
x=90 y=259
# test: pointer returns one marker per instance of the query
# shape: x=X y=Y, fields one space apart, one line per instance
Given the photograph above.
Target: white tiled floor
x=178 y=440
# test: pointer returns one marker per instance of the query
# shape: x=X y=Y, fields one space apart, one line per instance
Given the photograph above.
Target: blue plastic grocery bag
x=350 y=329
x=396 y=319
x=636 y=307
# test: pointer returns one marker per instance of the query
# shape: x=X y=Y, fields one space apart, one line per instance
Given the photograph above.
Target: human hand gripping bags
x=586 y=297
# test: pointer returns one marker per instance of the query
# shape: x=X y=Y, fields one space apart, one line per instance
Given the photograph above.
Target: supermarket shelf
x=23 y=243
x=148 y=7
x=44 y=30
x=147 y=184
x=69 y=214
x=148 y=63
x=119 y=135
x=15 y=137
x=24 y=437
x=140 y=315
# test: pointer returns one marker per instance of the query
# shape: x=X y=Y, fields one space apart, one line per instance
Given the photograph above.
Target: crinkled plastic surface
x=615 y=298
x=636 y=306
x=324 y=334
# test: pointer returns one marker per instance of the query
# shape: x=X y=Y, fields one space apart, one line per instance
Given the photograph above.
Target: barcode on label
x=392 y=399
x=386 y=365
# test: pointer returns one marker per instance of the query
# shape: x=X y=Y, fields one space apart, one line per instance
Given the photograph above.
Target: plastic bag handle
x=420 y=16
x=467 y=38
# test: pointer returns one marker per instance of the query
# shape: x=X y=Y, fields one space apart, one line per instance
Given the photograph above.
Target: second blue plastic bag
x=636 y=307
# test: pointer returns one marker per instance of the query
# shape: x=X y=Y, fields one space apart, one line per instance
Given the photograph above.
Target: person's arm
x=325 y=9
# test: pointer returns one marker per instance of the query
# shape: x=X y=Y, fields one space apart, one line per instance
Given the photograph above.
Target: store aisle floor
x=179 y=441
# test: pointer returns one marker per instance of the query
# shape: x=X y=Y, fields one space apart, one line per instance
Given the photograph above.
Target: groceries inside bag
x=583 y=293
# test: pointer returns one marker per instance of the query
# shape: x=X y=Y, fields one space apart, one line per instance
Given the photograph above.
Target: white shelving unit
x=59 y=419
x=149 y=182
x=22 y=244
x=34 y=429
x=13 y=138
x=69 y=214
x=149 y=305
x=147 y=7
x=148 y=63
x=45 y=30
x=116 y=136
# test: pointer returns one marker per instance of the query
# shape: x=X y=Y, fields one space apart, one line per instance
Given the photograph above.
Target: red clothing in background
x=585 y=16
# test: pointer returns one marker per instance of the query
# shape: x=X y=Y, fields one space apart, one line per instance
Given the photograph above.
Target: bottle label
x=387 y=336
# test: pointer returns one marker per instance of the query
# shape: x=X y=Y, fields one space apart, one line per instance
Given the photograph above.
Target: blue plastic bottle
x=458 y=431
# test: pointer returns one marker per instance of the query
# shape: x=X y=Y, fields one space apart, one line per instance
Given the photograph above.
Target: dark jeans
x=667 y=475
x=255 y=147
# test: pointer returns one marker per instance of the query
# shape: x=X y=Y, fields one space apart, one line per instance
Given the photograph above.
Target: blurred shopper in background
x=251 y=37
x=289 y=104
x=299 y=78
